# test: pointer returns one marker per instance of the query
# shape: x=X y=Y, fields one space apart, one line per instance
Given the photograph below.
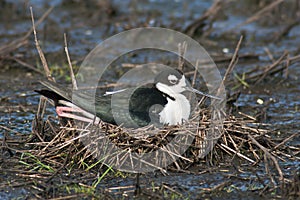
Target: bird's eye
x=172 y=79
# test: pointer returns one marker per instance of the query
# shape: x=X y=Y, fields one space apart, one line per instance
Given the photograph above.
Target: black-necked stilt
x=166 y=91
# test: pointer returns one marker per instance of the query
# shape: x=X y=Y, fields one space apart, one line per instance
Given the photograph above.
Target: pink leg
x=64 y=111
x=61 y=109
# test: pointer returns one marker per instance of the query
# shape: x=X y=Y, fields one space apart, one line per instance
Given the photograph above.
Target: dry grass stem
x=264 y=11
x=181 y=54
x=41 y=54
x=233 y=61
x=209 y=14
x=12 y=46
x=74 y=83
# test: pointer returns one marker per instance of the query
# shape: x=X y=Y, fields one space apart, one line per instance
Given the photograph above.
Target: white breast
x=175 y=112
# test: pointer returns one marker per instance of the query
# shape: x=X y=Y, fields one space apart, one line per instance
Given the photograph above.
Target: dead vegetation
x=55 y=156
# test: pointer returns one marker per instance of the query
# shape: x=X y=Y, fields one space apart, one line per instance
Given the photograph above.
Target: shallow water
x=87 y=25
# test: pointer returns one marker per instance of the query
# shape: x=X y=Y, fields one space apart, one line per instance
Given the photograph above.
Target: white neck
x=175 y=111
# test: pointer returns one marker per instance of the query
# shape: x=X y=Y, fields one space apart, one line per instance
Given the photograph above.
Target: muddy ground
x=270 y=31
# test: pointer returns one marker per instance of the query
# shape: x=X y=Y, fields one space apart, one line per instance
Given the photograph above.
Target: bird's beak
x=201 y=93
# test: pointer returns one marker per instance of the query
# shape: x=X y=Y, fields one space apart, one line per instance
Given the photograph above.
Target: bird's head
x=173 y=82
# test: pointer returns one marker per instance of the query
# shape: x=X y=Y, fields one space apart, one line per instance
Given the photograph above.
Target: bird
x=162 y=102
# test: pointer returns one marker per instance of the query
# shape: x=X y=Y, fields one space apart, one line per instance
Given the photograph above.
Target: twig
x=41 y=54
x=23 y=40
x=271 y=67
x=266 y=49
x=260 y=13
x=231 y=65
x=62 y=166
x=10 y=130
x=285 y=140
x=211 y=12
x=287 y=64
x=195 y=73
x=256 y=75
x=181 y=50
x=286 y=30
x=29 y=66
x=238 y=154
x=233 y=61
x=268 y=155
x=74 y=83
x=4 y=146
x=171 y=189
x=217 y=187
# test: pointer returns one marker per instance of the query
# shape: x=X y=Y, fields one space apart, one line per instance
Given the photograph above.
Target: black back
x=140 y=103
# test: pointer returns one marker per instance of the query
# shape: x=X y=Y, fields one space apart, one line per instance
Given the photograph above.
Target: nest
x=80 y=146
x=136 y=150
x=149 y=148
